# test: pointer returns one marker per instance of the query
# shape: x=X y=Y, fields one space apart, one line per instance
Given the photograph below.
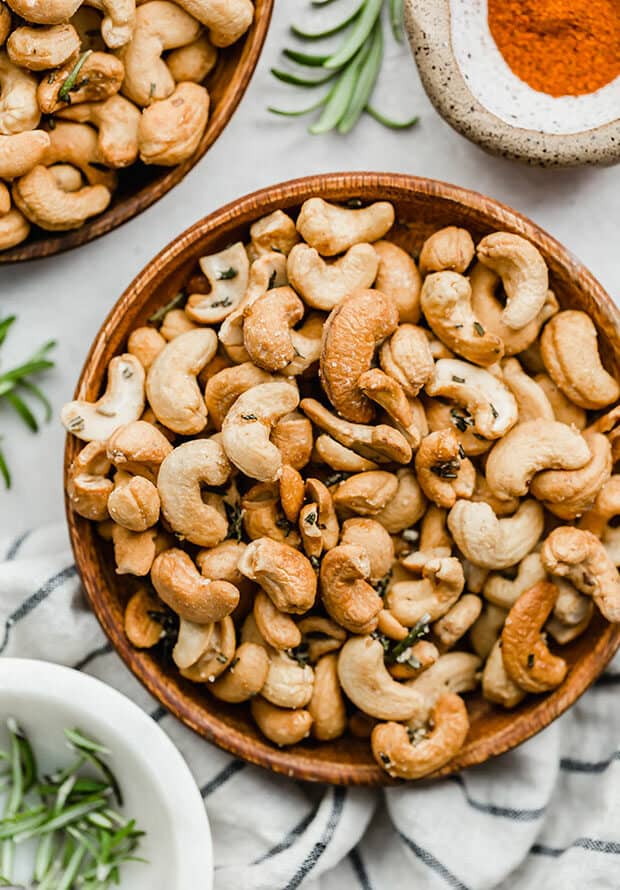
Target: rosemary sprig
x=81 y=841
x=175 y=303
x=16 y=383
x=71 y=79
x=351 y=70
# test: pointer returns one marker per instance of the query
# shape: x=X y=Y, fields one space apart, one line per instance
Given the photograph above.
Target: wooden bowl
x=422 y=205
x=141 y=185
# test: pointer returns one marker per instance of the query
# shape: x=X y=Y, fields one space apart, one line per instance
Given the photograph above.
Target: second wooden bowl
x=422 y=206
x=140 y=185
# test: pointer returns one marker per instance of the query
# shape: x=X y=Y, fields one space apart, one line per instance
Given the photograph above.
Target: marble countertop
x=67 y=297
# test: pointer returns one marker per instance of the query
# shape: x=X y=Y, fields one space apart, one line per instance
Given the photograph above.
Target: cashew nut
x=121 y=403
x=142 y=630
x=169 y=131
x=227 y=272
x=263 y=514
x=398 y=277
x=138 y=448
x=292 y=435
x=407 y=357
x=570 y=352
x=227 y=20
x=283 y=572
x=347 y=596
x=523 y=272
x=134 y=552
x=563 y=409
x=443 y=473
x=529 y=448
x=225 y=387
x=276 y=627
x=117 y=120
x=46 y=204
x=194 y=598
x=14 y=228
x=274 y=232
x=454 y=672
x=406 y=507
x=497 y=684
x=321 y=635
x=245 y=677
x=247 y=426
x=281 y=725
x=434 y=594
x=505 y=592
x=448 y=249
x=134 y=503
x=87 y=486
x=289 y=684
x=171 y=385
x=331 y=229
x=531 y=399
x=38 y=49
x=323 y=285
x=457 y=621
x=217 y=655
x=327 y=706
x=386 y=392
x=100 y=76
x=570 y=493
x=527 y=659
x=193 y=62
x=372 y=537
x=267 y=328
x=19 y=110
x=487 y=399
x=366 y=493
x=485 y=631
x=44 y=12
x=494 y=543
x=443 y=415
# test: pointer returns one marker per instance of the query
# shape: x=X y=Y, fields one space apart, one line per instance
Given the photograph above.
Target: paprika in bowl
x=535 y=80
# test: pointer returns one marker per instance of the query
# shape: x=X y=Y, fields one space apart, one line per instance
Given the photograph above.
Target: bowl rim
x=428 y=24
x=117 y=215
x=89 y=694
x=207 y=724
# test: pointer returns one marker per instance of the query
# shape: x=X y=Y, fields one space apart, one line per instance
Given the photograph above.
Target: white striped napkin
x=546 y=815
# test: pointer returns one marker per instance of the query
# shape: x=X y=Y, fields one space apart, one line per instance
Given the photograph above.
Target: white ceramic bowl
x=159 y=790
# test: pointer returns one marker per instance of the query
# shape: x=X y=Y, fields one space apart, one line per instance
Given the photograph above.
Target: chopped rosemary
x=458 y=379
x=315 y=562
x=300 y=653
x=226 y=301
x=16 y=383
x=336 y=478
x=396 y=652
x=284 y=525
x=272 y=280
x=354 y=203
x=494 y=410
x=530 y=660
x=71 y=79
x=234 y=515
x=175 y=303
x=478 y=329
x=249 y=417
x=312 y=518
x=448 y=469
x=381 y=586
x=221 y=658
x=227 y=274
x=461 y=452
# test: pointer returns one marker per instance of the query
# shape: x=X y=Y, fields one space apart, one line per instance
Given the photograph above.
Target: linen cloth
x=546 y=815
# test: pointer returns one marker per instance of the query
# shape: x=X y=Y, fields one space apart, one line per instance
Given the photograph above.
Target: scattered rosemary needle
x=351 y=71
x=16 y=383
x=81 y=841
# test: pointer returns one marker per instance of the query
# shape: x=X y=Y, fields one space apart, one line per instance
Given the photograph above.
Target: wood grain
x=140 y=186
x=422 y=206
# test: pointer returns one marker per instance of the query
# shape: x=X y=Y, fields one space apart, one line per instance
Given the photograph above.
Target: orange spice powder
x=559 y=47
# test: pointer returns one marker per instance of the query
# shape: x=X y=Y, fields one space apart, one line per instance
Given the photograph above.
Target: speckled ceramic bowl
x=472 y=87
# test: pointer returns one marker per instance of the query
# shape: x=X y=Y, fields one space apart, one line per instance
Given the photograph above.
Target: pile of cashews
x=334 y=455
x=91 y=86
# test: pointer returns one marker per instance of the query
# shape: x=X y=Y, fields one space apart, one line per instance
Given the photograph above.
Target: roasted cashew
x=88 y=487
x=563 y=409
x=289 y=683
x=526 y=656
x=117 y=120
x=292 y=435
x=283 y=572
x=485 y=631
x=176 y=322
x=581 y=557
x=372 y=537
x=19 y=110
x=433 y=530
x=77 y=144
x=407 y=357
x=570 y=352
x=442 y=415
x=274 y=232
x=218 y=654
x=332 y=229
x=14 y=228
x=263 y=514
x=446 y=303
x=454 y=672
x=394 y=751
x=267 y=328
x=366 y=494
x=194 y=598
x=39 y=49
x=529 y=448
x=406 y=507
x=434 y=594
x=227 y=20
x=171 y=384
x=570 y=493
x=276 y=627
x=134 y=502
x=482 y=492
x=100 y=76
x=193 y=62
x=326 y=519
x=497 y=684
x=45 y=12
x=450 y=249
x=338 y=457
x=5 y=23
x=327 y=703
x=505 y=592
x=490 y=310
x=353 y=331
x=449 y=629
x=523 y=272
x=46 y=204
x=321 y=635
x=378 y=443
x=121 y=403
x=424 y=653
x=443 y=473
x=245 y=676
x=398 y=277
x=487 y=399
x=134 y=552
x=138 y=448
x=605 y=507
x=227 y=273
x=367 y=683
x=246 y=428
x=145 y=343
x=386 y=392
x=142 y=630
x=181 y=477
x=347 y=596
x=169 y=131
x=192 y=642
x=220 y=564
x=323 y=285
x=532 y=401
x=21 y=152
x=281 y=725
x=225 y=387
x=494 y=543
x=160 y=26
